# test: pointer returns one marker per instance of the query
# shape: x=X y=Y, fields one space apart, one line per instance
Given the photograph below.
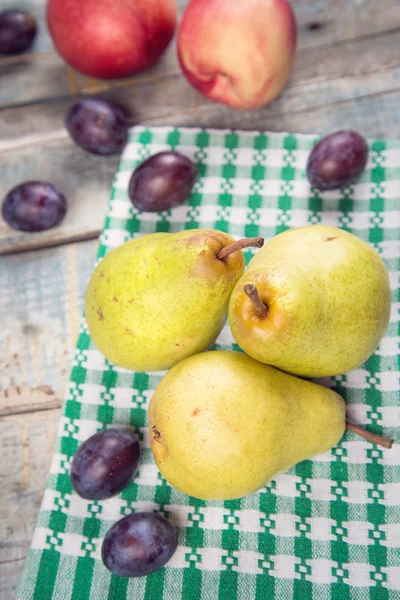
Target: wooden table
x=347 y=74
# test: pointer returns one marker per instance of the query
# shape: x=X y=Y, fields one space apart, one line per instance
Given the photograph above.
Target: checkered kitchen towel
x=328 y=529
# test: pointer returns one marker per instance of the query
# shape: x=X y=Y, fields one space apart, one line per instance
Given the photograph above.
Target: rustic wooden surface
x=347 y=73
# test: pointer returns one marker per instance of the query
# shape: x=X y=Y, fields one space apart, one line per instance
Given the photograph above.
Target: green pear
x=222 y=424
x=315 y=301
x=162 y=297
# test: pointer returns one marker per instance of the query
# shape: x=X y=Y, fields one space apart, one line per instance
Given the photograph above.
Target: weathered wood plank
x=358 y=70
x=85 y=180
x=26 y=448
x=151 y=97
x=43 y=75
x=374 y=116
x=27 y=79
x=34 y=78
x=41 y=302
x=323 y=22
x=10 y=575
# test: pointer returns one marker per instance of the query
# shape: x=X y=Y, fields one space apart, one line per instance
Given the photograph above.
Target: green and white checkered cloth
x=328 y=529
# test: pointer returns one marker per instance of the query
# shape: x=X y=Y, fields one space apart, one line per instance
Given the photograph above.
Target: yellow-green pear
x=162 y=297
x=222 y=424
x=315 y=301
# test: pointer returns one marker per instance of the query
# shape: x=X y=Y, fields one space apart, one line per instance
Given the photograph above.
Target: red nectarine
x=238 y=52
x=111 y=38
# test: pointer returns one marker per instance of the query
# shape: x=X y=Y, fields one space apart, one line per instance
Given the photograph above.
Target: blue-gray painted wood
x=41 y=74
x=41 y=301
x=362 y=91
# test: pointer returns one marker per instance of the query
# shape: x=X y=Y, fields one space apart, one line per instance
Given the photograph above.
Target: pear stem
x=371 y=437
x=256 y=242
x=252 y=292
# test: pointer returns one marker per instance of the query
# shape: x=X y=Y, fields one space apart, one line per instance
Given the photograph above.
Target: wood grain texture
x=84 y=178
x=361 y=76
x=42 y=75
x=26 y=448
x=41 y=302
x=323 y=22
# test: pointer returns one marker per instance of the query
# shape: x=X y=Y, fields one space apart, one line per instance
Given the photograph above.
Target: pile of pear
x=314 y=302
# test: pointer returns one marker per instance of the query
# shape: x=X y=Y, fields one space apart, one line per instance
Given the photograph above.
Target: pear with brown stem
x=315 y=301
x=162 y=297
x=222 y=424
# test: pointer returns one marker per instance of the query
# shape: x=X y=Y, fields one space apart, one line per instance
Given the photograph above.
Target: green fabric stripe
x=48 y=573
x=83 y=575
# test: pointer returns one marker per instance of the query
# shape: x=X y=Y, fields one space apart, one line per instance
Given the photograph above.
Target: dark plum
x=162 y=181
x=34 y=206
x=337 y=160
x=105 y=464
x=17 y=31
x=139 y=544
x=97 y=126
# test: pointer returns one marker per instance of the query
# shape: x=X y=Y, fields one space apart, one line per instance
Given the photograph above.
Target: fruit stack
x=313 y=302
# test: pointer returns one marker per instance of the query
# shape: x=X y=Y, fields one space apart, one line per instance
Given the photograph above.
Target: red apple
x=238 y=52
x=111 y=38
